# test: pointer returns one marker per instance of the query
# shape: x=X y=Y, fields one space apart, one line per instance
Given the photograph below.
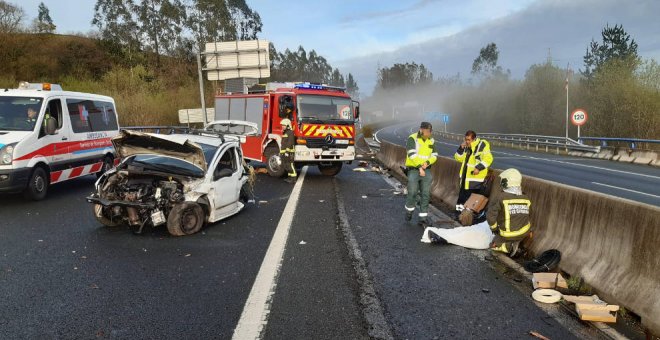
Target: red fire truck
x=323 y=123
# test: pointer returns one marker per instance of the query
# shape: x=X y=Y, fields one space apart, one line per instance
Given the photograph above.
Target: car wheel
x=104 y=217
x=185 y=218
x=330 y=169
x=108 y=163
x=274 y=162
x=37 y=186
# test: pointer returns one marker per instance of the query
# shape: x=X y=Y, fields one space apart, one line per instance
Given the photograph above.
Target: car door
x=226 y=178
x=59 y=155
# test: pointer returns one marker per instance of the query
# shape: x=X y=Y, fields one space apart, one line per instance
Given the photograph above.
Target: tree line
x=619 y=90
x=142 y=53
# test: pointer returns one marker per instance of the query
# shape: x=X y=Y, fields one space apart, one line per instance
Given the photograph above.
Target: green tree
x=542 y=100
x=352 y=87
x=617 y=46
x=161 y=23
x=408 y=74
x=337 y=79
x=486 y=62
x=209 y=21
x=11 y=17
x=246 y=21
x=118 y=27
x=44 y=23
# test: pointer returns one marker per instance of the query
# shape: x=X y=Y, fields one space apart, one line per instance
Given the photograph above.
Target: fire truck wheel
x=102 y=215
x=185 y=218
x=274 y=162
x=330 y=169
x=37 y=187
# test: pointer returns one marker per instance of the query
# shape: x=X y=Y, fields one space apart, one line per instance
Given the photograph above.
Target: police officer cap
x=426 y=125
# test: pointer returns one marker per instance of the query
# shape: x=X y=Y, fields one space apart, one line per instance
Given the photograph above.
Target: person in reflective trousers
x=287 y=150
x=421 y=155
x=509 y=214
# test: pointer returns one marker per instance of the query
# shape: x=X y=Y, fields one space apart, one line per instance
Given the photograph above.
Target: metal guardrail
x=158 y=129
x=532 y=140
x=632 y=142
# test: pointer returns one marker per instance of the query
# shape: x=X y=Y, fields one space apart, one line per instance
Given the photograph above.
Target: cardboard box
x=476 y=202
x=592 y=308
x=549 y=281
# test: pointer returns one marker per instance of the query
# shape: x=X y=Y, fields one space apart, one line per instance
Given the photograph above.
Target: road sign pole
x=578 y=132
x=201 y=87
x=445 y=127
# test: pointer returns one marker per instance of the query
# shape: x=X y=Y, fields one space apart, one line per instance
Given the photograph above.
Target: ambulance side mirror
x=50 y=126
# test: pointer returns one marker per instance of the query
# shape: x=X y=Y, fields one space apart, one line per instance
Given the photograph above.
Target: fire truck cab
x=323 y=124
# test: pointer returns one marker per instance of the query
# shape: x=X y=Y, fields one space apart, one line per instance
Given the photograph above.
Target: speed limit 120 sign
x=579 y=117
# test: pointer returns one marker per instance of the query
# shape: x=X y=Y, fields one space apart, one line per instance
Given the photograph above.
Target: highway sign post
x=578 y=118
x=445 y=119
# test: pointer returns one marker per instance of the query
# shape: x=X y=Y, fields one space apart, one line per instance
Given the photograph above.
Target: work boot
x=423 y=222
x=290 y=179
x=408 y=216
x=515 y=246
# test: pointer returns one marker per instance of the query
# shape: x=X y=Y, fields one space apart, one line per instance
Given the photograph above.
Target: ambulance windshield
x=19 y=113
x=324 y=108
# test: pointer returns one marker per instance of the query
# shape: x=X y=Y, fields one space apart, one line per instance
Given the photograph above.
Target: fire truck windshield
x=324 y=108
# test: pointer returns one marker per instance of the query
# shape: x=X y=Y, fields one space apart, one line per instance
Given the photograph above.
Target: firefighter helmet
x=286 y=123
x=510 y=178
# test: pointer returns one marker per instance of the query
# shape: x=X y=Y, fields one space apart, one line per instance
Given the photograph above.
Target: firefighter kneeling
x=509 y=215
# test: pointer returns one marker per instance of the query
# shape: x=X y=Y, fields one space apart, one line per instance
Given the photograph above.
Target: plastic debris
x=302 y=242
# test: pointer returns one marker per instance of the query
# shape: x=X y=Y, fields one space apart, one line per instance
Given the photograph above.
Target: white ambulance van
x=48 y=136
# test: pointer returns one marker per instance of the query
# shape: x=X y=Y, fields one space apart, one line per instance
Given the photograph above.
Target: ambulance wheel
x=274 y=162
x=331 y=168
x=37 y=187
x=102 y=215
x=185 y=218
x=108 y=163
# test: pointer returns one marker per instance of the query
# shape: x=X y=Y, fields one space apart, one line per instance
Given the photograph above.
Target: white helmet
x=286 y=123
x=510 y=178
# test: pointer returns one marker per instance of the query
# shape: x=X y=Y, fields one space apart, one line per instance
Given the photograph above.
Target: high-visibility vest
x=422 y=152
x=480 y=155
x=511 y=215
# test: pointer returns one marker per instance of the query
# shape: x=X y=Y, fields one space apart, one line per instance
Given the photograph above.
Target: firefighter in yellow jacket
x=475 y=158
x=509 y=214
x=421 y=155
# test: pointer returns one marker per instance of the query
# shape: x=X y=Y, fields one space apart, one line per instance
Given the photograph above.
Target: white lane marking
x=637 y=192
x=569 y=163
x=257 y=307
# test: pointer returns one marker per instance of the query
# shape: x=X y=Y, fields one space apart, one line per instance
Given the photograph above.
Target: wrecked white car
x=182 y=181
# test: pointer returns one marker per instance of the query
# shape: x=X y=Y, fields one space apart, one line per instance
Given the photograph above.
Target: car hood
x=129 y=143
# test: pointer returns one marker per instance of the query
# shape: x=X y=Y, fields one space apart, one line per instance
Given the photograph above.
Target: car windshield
x=324 y=108
x=19 y=113
x=174 y=165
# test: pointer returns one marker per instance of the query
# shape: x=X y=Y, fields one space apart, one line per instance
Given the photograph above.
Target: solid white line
x=570 y=163
x=637 y=192
x=257 y=307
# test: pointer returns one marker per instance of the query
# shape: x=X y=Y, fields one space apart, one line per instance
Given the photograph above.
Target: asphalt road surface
x=64 y=276
x=636 y=182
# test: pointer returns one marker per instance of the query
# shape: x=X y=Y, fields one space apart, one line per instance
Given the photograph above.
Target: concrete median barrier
x=611 y=243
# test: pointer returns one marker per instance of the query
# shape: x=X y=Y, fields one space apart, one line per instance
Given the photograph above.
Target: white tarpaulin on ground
x=476 y=236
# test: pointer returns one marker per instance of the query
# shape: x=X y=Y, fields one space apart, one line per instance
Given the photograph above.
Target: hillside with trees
x=619 y=90
x=142 y=53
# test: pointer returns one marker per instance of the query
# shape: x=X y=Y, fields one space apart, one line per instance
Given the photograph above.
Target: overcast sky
x=359 y=35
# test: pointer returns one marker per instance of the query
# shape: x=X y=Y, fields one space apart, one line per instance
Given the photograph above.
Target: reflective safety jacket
x=510 y=215
x=477 y=156
x=288 y=142
x=420 y=151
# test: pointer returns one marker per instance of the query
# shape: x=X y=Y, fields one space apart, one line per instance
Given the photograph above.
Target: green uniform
x=420 y=151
